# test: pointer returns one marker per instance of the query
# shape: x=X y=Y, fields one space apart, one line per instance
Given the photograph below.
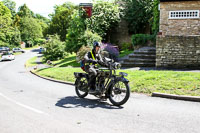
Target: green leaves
x=24 y=11
x=11 y=5
x=105 y=16
x=54 y=48
x=8 y=34
x=156 y=17
x=30 y=29
x=138 y=14
x=61 y=20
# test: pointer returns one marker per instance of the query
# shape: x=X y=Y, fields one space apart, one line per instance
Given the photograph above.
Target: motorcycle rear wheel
x=81 y=87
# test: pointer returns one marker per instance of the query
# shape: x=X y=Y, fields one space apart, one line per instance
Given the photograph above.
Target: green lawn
x=181 y=83
x=31 y=62
x=69 y=60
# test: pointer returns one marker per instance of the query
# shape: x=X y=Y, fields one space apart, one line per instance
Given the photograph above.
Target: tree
x=75 y=32
x=138 y=14
x=105 y=17
x=5 y=23
x=42 y=18
x=9 y=34
x=24 y=11
x=61 y=19
x=11 y=5
x=78 y=36
x=30 y=29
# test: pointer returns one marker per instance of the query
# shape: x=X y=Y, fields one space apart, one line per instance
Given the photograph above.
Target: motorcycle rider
x=91 y=60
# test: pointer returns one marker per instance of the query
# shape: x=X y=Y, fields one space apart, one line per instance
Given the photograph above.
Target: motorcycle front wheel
x=81 y=87
x=119 y=93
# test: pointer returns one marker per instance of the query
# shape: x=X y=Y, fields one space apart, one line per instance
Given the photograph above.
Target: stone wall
x=179 y=26
x=178 y=51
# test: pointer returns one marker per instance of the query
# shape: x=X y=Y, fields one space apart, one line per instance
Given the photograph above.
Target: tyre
x=119 y=93
x=81 y=87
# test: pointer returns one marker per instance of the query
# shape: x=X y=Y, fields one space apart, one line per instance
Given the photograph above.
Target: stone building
x=178 y=42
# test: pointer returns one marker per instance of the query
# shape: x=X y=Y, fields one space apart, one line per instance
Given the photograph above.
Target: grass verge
x=31 y=62
x=170 y=82
x=69 y=60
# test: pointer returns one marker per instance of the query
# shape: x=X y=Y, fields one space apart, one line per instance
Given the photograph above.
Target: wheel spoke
x=119 y=91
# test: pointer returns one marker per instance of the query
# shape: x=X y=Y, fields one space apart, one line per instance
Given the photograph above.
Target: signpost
x=88 y=8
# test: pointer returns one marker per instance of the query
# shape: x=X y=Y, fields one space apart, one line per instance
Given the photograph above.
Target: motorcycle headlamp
x=117 y=65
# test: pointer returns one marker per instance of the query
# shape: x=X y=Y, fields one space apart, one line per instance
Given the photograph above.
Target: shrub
x=81 y=53
x=39 y=41
x=127 y=46
x=54 y=48
x=89 y=38
x=143 y=39
x=113 y=51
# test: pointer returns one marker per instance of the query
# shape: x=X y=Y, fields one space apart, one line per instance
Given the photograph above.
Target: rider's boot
x=92 y=90
x=92 y=85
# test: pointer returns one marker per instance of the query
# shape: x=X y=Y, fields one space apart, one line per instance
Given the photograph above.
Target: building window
x=184 y=14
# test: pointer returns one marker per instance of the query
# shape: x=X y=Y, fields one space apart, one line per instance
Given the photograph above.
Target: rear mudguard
x=80 y=75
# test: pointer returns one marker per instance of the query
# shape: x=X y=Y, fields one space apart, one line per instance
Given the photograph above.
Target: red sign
x=88 y=8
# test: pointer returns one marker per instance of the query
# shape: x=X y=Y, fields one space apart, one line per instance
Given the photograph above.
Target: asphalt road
x=29 y=104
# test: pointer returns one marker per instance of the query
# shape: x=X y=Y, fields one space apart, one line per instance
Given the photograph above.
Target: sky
x=45 y=7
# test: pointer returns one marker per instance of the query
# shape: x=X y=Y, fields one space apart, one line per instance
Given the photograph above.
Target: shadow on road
x=35 y=50
x=74 y=102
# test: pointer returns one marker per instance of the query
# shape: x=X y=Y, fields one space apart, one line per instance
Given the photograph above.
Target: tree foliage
x=11 y=5
x=75 y=32
x=30 y=29
x=105 y=16
x=138 y=14
x=24 y=11
x=60 y=20
x=23 y=25
x=9 y=35
x=78 y=35
x=156 y=17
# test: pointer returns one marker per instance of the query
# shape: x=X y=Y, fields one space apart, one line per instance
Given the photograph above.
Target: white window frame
x=184 y=14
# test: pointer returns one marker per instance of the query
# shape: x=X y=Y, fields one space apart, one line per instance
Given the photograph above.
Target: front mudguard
x=121 y=79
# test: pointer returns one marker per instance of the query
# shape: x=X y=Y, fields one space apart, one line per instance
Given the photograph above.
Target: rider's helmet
x=96 y=44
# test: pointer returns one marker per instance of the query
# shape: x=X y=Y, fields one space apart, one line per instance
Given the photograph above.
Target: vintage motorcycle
x=108 y=84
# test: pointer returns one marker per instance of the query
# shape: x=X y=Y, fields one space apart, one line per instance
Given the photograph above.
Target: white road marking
x=22 y=105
